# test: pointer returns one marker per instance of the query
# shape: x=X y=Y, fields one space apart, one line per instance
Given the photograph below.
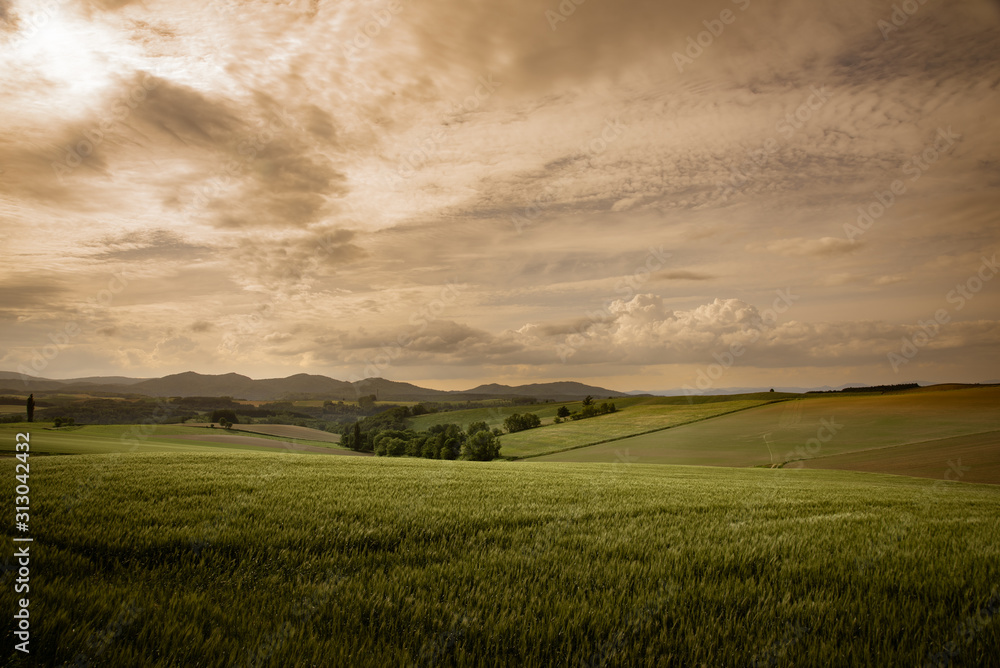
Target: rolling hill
x=299 y=386
x=911 y=433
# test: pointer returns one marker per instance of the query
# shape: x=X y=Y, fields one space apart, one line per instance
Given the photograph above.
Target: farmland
x=270 y=560
x=97 y=439
x=973 y=458
x=283 y=431
x=637 y=415
x=817 y=426
x=636 y=419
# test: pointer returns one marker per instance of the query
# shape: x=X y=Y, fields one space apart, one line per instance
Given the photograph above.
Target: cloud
x=682 y=275
x=799 y=247
x=281 y=161
x=201 y=326
x=30 y=292
x=145 y=245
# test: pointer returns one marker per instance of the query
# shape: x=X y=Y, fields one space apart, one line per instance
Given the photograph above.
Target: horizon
x=432 y=385
x=628 y=195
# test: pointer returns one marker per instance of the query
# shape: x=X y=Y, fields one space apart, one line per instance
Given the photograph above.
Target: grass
x=636 y=419
x=285 y=432
x=290 y=432
x=259 y=559
x=783 y=431
x=98 y=439
x=7 y=408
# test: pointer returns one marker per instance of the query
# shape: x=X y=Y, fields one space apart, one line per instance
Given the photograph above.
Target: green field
x=283 y=431
x=636 y=415
x=637 y=419
x=782 y=432
x=97 y=439
x=239 y=558
x=494 y=416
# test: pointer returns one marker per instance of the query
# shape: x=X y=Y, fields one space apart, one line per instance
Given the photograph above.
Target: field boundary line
x=644 y=433
x=887 y=447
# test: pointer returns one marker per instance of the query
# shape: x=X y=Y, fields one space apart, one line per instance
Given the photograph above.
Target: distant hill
x=299 y=386
x=569 y=389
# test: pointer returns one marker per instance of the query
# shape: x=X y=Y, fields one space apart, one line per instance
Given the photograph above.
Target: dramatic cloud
x=464 y=192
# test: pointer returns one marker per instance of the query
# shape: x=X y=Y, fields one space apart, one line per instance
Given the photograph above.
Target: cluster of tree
x=225 y=415
x=589 y=410
x=518 y=422
x=873 y=388
x=61 y=422
x=442 y=441
x=883 y=388
x=117 y=411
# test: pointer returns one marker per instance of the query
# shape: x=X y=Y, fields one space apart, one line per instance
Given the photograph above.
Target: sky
x=640 y=195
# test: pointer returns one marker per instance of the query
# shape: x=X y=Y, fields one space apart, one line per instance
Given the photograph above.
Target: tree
x=482 y=446
x=517 y=422
x=31 y=408
x=358 y=443
x=588 y=400
x=225 y=424
x=477 y=427
x=225 y=414
x=563 y=411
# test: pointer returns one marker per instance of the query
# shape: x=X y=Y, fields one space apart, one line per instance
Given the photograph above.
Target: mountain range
x=299 y=386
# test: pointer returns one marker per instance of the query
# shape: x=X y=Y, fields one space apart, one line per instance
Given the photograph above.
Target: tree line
x=388 y=435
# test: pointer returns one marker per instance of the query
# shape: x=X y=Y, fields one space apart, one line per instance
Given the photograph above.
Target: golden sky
x=643 y=195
